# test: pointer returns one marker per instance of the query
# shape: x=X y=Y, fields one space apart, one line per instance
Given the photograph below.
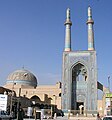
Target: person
x=55 y=115
x=98 y=117
x=21 y=114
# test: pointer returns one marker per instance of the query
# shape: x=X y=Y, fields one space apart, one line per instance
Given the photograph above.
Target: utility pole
x=11 y=98
x=109 y=83
x=109 y=92
x=18 y=104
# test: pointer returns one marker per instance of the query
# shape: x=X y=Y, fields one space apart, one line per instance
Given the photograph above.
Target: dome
x=23 y=77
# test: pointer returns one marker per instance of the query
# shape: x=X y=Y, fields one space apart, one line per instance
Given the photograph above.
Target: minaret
x=90 y=23
x=68 y=24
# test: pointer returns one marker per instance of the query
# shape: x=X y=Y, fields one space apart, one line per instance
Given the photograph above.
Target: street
x=71 y=118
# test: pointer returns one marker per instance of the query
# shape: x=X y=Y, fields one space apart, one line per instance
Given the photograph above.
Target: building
x=78 y=90
x=79 y=77
x=24 y=83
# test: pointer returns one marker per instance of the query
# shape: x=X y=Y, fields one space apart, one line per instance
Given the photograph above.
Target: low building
x=24 y=83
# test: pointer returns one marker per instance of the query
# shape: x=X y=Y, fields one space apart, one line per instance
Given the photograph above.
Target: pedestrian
x=98 y=117
x=21 y=114
x=55 y=115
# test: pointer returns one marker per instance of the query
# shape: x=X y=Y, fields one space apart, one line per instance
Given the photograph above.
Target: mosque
x=24 y=83
x=78 y=89
x=79 y=71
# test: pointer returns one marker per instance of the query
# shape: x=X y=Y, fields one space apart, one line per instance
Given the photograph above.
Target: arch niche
x=35 y=98
x=79 y=85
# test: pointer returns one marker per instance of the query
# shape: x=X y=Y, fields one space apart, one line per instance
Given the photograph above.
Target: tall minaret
x=90 y=23
x=68 y=24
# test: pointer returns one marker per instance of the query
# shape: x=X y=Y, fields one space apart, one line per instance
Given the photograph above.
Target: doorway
x=80 y=107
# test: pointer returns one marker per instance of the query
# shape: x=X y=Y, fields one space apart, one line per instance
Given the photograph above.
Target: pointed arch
x=79 y=71
x=35 y=98
x=79 y=77
x=80 y=62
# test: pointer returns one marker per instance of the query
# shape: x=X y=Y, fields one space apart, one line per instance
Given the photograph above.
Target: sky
x=32 y=34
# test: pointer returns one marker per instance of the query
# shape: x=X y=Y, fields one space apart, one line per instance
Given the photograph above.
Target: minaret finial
x=68 y=24
x=90 y=23
x=68 y=13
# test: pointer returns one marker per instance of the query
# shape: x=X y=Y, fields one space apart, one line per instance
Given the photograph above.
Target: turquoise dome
x=23 y=77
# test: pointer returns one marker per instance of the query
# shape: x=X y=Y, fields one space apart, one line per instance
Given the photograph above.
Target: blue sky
x=32 y=35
